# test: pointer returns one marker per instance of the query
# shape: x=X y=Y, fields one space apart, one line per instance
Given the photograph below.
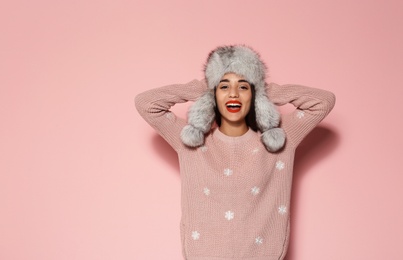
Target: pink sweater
x=235 y=195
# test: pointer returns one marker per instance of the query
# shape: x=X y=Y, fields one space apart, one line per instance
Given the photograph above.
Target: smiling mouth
x=233 y=106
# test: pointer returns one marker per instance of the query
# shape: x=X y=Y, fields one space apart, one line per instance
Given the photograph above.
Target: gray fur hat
x=244 y=61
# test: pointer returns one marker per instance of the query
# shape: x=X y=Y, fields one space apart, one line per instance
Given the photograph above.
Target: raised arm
x=153 y=105
x=312 y=106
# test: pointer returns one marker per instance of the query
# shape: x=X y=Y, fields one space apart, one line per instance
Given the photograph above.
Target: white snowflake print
x=195 y=235
x=258 y=240
x=282 y=209
x=203 y=148
x=300 y=114
x=279 y=165
x=206 y=191
x=256 y=150
x=169 y=115
x=229 y=215
x=255 y=190
x=227 y=172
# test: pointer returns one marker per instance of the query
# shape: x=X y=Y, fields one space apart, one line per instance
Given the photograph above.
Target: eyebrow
x=241 y=80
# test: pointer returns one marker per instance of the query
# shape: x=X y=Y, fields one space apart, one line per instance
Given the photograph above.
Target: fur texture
x=200 y=118
x=273 y=139
x=243 y=61
x=237 y=59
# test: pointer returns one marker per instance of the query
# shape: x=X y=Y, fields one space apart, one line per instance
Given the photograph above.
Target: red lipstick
x=233 y=106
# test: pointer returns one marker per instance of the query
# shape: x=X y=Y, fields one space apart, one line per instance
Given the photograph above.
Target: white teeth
x=233 y=105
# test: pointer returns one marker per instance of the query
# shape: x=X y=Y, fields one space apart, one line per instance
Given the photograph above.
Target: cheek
x=248 y=102
x=247 y=107
x=220 y=102
x=221 y=107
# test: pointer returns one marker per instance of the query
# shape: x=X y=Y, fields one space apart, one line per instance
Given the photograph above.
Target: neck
x=233 y=129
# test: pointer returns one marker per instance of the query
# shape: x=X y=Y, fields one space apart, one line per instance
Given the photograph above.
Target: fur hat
x=244 y=61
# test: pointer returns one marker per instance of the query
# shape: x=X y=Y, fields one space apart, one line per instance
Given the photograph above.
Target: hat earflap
x=201 y=116
x=268 y=119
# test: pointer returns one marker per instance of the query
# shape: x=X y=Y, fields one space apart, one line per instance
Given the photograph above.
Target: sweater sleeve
x=153 y=105
x=312 y=106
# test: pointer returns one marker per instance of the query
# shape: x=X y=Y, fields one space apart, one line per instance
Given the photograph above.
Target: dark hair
x=250 y=118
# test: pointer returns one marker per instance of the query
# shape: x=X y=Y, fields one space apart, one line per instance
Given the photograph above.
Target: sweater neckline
x=226 y=138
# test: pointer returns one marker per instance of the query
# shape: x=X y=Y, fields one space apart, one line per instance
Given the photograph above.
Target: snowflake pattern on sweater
x=229 y=215
x=228 y=172
x=255 y=190
x=300 y=114
x=195 y=235
x=280 y=165
x=259 y=240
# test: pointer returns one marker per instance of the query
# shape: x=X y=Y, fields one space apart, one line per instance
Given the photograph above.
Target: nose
x=233 y=92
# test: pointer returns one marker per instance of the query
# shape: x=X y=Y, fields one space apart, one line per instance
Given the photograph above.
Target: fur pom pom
x=192 y=136
x=273 y=139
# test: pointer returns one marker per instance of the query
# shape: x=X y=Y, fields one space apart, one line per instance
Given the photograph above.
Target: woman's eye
x=224 y=87
x=244 y=87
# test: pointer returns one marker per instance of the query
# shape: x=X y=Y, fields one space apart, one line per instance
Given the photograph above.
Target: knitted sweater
x=235 y=195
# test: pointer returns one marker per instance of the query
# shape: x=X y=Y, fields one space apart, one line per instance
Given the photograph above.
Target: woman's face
x=234 y=97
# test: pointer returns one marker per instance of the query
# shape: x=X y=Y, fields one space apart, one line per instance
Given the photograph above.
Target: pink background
x=82 y=176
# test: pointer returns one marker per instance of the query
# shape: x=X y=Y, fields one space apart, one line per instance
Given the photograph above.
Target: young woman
x=236 y=175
